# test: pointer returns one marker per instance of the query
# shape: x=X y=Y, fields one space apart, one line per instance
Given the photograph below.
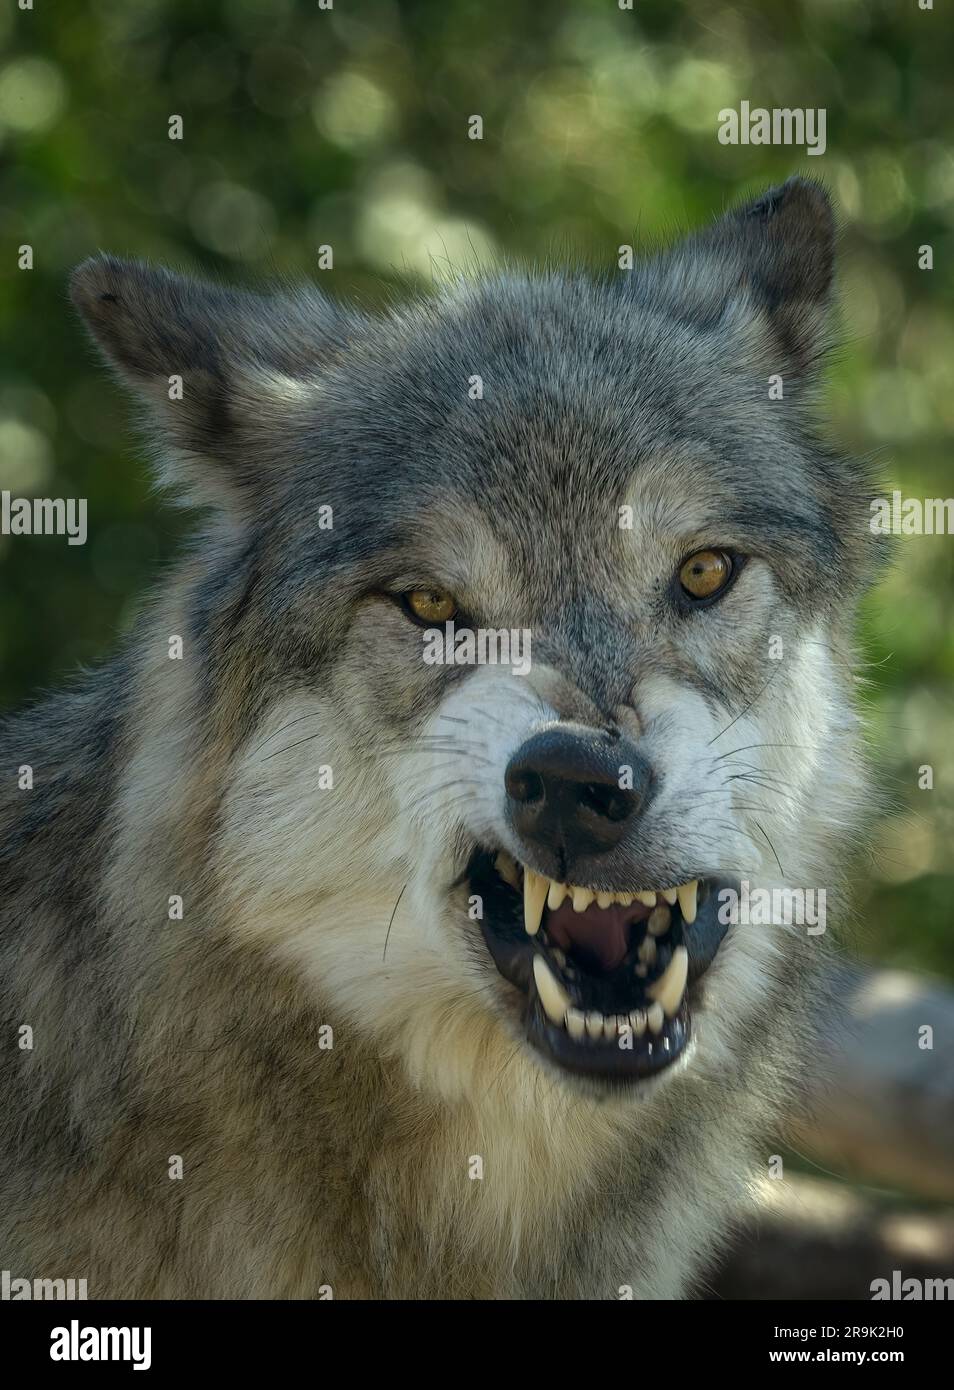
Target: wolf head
x=517 y=639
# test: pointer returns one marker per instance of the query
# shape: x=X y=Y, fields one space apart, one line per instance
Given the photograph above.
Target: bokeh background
x=305 y=127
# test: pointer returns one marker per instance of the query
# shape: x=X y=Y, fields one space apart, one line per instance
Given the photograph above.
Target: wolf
x=330 y=972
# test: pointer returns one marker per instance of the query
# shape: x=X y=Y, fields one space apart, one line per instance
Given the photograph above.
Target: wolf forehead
x=539 y=405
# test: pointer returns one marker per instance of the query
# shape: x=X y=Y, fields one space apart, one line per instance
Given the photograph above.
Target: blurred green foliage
x=305 y=126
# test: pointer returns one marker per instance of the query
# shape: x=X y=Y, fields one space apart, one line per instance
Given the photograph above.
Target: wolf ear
x=217 y=367
x=776 y=257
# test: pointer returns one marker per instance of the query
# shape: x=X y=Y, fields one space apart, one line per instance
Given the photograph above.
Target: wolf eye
x=705 y=573
x=430 y=605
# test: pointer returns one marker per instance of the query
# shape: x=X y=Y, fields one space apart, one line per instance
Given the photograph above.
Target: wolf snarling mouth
x=606 y=975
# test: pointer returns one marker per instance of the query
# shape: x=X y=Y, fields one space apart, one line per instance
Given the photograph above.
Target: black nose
x=564 y=789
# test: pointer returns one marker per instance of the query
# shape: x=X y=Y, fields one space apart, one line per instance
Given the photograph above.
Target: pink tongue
x=601 y=935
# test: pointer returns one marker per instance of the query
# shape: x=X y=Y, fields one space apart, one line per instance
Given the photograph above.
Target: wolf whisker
x=387 y=935
x=435 y=791
x=315 y=714
x=771 y=847
x=278 y=751
x=811 y=747
x=747 y=707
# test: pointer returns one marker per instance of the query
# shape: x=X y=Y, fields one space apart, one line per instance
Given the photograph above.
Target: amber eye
x=705 y=573
x=430 y=605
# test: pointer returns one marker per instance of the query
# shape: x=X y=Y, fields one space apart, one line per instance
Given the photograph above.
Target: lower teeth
x=666 y=994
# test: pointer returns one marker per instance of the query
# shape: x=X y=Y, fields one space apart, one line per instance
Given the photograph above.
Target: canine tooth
x=553 y=996
x=506 y=866
x=655 y=1018
x=670 y=987
x=594 y=1024
x=637 y=1021
x=647 y=899
x=670 y=895
x=582 y=897
x=659 y=920
x=534 y=896
x=647 y=950
x=604 y=899
x=575 y=1023
x=687 y=900
x=557 y=893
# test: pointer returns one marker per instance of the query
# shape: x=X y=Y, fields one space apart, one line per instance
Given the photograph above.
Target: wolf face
x=459 y=853
x=273 y=815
